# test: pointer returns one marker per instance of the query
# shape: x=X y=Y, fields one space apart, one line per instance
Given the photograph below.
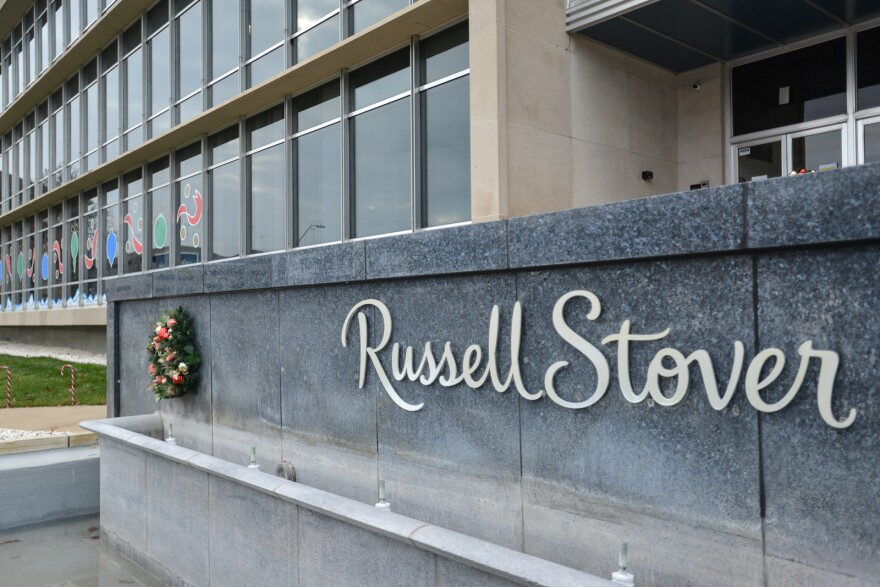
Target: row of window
x=41 y=36
x=381 y=149
x=180 y=58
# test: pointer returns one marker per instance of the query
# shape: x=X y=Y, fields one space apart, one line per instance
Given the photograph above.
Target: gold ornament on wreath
x=174 y=360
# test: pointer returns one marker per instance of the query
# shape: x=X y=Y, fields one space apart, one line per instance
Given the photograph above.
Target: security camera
x=696 y=86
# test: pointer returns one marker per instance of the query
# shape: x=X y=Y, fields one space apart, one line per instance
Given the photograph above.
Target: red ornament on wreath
x=167 y=378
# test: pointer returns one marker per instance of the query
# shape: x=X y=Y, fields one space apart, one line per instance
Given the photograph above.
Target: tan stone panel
x=488 y=171
x=538 y=85
x=539 y=171
x=599 y=86
x=599 y=174
x=665 y=176
x=482 y=13
x=31 y=444
x=94 y=316
x=653 y=119
x=700 y=122
x=488 y=77
x=543 y=20
x=650 y=72
x=696 y=171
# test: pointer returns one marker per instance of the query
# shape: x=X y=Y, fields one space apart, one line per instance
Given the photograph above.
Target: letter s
x=603 y=372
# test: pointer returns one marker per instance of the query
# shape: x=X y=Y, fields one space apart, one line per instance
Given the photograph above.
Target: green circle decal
x=20 y=265
x=74 y=246
x=160 y=231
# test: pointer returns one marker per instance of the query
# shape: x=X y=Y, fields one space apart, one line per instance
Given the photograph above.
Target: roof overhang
x=681 y=35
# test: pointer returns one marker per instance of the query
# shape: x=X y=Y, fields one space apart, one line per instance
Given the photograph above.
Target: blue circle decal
x=111 y=247
x=45 y=267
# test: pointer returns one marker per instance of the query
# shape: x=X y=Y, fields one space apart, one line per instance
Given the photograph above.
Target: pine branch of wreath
x=174 y=359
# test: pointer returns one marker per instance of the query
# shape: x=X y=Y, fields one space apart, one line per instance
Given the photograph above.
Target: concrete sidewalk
x=61 y=418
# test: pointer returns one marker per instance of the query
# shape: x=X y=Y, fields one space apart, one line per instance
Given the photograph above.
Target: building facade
x=138 y=136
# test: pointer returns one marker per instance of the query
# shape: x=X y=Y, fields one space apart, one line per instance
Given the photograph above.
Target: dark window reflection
x=816 y=80
x=868 y=68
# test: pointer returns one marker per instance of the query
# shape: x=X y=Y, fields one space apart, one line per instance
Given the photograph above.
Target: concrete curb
x=70 y=439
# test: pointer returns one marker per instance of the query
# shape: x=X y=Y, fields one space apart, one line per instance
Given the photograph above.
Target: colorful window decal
x=160 y=231
x=44 y=267
x=74 y=248
x=133 y=242
x=93 y=250
x=57 y=259
x=112 y=244
x=191 y=217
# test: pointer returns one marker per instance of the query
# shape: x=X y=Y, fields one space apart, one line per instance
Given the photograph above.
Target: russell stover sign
x=470 y=368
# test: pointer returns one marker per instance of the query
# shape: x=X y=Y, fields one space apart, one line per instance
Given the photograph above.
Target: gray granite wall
x=731 y=497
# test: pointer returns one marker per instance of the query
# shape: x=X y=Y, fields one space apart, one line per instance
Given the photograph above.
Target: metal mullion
x=290 y=195
x=315 y=128
x=264 y=52
x=205 y=229
x=444 y=80
x=345 y=157
x=243 y=195
x=214 y=166
x=850 y=148
x=381 y=103
x=274 y=143
x=172 y=234
x=315 y=24
x=147 y=190
x=207 y=8
x=416 y=203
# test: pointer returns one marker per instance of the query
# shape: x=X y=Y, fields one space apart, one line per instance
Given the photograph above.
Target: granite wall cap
x=129 y=287
x=831 y=206
x=334 y=263
x=503 y=562
x=238 y=274
x=701 y=221
x=457 y=249
x=180 y=281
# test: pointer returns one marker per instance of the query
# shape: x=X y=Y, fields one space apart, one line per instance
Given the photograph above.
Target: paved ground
x=69 y=554
x=64 y=354
x=61 y=418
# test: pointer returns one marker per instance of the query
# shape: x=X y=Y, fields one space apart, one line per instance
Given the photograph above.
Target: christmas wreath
x=174 y=362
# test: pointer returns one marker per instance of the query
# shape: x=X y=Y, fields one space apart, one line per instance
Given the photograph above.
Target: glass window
x=816 y=152
x=75 y=19
x=29 y=250
x=265 y=181
x=317 y=39
x=133 y=223
x=368 y=12
x=265 y=29
x=58 y=21
x=43 y=35
x=759 y=162
x=91 y=11
x=73 y=252
x=91 y=122
x=160 y=83
x=111 y=228
x=189 y=53
x=224 y=37
x=111 y=109
x=41 y=266
x=160 y=203
x=91 y=248
x=445 y=130
x=868 y=68
x=317 y=156
x=380 y=80
x=381 y=170
x=56 y=257
x=190 y=204
x=134 y=97
x=799 y=86
x=74 y=137
x=872 y=143
x=224 y=190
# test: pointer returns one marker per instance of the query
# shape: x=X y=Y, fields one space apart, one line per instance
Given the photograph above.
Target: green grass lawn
x=37 y=381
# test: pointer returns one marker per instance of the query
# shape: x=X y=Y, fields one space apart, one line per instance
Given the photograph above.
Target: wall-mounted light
x=647 y=175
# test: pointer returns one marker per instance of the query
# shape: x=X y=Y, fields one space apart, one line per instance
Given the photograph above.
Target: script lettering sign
x=449 y=370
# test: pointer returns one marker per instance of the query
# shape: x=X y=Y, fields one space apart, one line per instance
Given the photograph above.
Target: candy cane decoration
x=72 y=383
x=8 y=385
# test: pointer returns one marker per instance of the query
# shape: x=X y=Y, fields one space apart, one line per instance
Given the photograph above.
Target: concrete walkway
x=62 y=418
x=70 y=554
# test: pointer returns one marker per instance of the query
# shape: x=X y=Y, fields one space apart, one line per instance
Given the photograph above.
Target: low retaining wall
x=48 y=486
x=192 y=519
x=727 y=490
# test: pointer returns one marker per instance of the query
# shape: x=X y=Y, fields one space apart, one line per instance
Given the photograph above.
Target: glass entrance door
x=813 y=150
x=869 y=140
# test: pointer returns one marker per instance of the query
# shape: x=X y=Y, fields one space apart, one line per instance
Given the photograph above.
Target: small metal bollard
x=383 y=503
x=621 y=576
